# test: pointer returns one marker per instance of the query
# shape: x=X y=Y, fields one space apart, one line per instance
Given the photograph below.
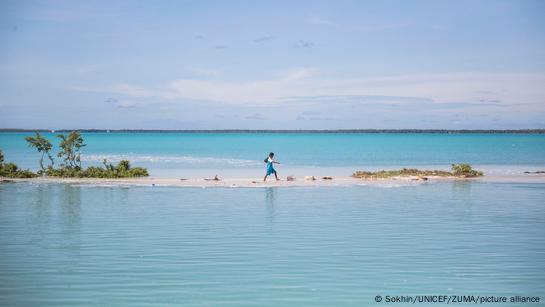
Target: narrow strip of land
x=340 y=181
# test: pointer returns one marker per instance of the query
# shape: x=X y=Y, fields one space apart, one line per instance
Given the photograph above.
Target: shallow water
x=72 y=245
x=229 y=154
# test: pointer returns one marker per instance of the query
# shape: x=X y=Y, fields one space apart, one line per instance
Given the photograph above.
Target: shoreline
x=291 y=131
x=338 y=181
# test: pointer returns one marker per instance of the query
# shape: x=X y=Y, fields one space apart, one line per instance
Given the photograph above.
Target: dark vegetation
x=10 y=170
x=121 y=170
x=465 y=170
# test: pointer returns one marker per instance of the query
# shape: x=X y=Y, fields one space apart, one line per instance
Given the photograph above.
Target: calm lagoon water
x=66 y=245
x=63 y=244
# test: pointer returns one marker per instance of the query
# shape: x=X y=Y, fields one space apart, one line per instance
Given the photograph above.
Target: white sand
x=271 y=182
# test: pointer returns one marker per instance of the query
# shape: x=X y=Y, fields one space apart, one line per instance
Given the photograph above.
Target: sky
x=272 y=64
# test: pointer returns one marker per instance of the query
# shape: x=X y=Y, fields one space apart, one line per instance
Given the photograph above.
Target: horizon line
x=446 y=131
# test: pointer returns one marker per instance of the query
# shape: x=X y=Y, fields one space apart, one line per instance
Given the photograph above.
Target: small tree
x=42 y=145
x=71 y=145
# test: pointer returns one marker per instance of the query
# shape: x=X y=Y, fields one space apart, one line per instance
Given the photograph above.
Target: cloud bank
x=306 y=85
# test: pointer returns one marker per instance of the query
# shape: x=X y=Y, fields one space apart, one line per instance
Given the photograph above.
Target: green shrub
x=24 y=174
x=121 y=170
x=63 y=171
x=123 y=165
x=138 y=172
x=11 y=170
x=465 y=170
x=95 y=172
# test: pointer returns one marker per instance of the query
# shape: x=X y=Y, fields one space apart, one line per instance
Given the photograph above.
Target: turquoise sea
x=180 y=154
x=72 y=245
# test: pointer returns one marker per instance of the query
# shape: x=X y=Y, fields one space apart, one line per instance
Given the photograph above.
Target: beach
x=309 y=181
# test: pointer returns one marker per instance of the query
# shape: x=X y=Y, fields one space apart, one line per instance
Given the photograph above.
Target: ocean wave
x=188 y=160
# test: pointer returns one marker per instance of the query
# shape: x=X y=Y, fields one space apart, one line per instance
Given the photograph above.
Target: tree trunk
x=51 y=159
x=42 y=162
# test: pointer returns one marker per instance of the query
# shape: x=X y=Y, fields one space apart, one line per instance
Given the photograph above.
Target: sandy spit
x=254 y=182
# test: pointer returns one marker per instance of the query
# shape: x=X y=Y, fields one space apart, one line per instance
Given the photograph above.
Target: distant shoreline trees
x=291 y=131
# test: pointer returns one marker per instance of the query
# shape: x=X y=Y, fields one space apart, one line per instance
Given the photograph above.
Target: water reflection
x=461 y=189
x=70 y=206
x=40 y=199
x=270 y=203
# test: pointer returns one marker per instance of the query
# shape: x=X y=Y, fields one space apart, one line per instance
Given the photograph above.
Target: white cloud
x=314 y=20
x=440 y=88
x=123 y=104
x=126 y=104
x=304 y=83
x=120 y=89
x=130 y=90
x=207 y=72
x=228 y=92
x=299 y=74
x=263 y=91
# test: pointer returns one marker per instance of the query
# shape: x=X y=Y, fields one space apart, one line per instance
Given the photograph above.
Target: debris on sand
x=216 y=178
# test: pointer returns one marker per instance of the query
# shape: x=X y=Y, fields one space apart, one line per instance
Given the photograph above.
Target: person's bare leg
x=276 y=176
x=265 y=178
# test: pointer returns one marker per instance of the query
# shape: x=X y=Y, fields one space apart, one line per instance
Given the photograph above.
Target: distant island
x=438 y=131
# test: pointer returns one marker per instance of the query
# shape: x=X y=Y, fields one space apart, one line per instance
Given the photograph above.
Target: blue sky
x=272 y=65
